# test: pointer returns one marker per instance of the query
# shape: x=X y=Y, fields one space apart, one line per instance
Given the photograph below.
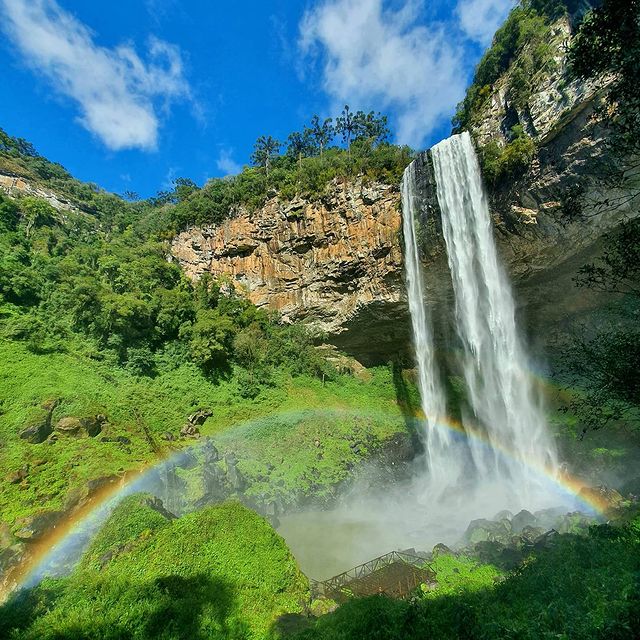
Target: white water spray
x=499 y=388
x=438 y=441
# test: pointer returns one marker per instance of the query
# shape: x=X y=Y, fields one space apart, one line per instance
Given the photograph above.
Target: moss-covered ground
x=219 y=573
x=299 y=425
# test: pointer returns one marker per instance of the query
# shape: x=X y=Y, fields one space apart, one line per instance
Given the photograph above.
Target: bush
x=508 y=162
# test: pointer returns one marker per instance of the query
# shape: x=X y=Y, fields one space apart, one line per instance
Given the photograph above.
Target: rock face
x=335 y=263
x=16 y=185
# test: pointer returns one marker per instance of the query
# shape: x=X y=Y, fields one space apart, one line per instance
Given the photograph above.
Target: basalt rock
x=39 y=428
x=75 y=427
x=335 y=263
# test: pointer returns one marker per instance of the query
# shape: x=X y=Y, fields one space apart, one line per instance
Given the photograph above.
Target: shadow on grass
x=198 y=607
x=409 y=403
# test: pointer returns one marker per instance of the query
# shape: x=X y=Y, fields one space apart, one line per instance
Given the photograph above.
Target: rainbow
x=70 y=537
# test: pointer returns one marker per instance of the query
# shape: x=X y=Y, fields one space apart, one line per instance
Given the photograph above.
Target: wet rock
x=531 y=534
x=185 y=460
x=482 y=530
x=548 y=518
x=523 y=519
x=35 y=526
x=199 y=417
x=574 y=523
x=234 y=475
x=18 y=476
x=210 y=452
x=6 y=537
x=605 y=499
x=76 y=427
x=157 y=505
x=503 y=515
x=441 y=550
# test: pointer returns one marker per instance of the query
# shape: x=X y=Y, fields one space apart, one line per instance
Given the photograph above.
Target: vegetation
x=580 y=587
x=521 y=48
x=219 y=573
x=308 y=165
x=604 y=360
x=95 y=320
x=510 y=161
x=606 y=50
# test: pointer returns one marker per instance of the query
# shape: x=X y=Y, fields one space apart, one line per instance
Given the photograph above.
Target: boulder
x=482 y=530
x=76 y=427
x=190 y=431
x=502 y=515
x=37 y=525
x=523 y=519
x=441 y=550
x=18 y=476
x=532 y=534
x=210 y=452
x=199 y=417
x=38 y=430
x=604 y=498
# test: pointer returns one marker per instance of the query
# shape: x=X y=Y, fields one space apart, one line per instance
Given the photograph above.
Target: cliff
x=335 y=263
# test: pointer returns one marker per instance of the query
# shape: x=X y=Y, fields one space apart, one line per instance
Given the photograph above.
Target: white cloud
x=227 y=164
x=377 y=57
x=480 y=19
x=120 y=94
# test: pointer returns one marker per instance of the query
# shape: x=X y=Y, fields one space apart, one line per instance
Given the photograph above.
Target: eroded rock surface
x=335 y=263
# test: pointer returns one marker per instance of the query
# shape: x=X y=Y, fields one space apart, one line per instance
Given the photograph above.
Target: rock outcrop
x=16 y=185
x=335 y=263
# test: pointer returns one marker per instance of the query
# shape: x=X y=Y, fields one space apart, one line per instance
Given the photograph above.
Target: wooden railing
x=332 y=585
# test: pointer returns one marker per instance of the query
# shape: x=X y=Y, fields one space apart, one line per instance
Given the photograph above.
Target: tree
x=212 y=339
x=299 y=145
x=265 y=148
x=371 y=127
x=321 y=132
x=347 y=126
x=36 y=212
x=604 y=361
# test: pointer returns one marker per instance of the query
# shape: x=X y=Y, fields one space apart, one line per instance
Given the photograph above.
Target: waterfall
x=442 y=464
x=508 y=448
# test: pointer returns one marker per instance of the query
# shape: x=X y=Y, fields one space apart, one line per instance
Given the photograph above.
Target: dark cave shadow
x=408 y=405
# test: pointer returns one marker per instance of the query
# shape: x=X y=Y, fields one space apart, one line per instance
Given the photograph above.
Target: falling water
x=437 y=440
x=499 y=388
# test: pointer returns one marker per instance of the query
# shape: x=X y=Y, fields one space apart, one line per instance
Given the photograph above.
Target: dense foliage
x=583 y=588
x=509 y=161
x=219 y=573
x=100 y=283
x=604 y=360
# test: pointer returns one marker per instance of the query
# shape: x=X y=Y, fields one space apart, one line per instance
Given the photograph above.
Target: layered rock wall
x=335 y=263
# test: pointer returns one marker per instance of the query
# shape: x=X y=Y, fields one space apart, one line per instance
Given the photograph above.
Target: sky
x=133 y=94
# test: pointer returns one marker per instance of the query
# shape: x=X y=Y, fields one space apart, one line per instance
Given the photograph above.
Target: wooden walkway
x=395 y=574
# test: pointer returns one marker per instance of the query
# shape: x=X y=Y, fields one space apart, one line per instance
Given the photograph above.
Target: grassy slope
x=86 y=387
x=219 y=573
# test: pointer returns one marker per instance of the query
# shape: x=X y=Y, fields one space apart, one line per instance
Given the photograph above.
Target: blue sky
x=133 y=94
